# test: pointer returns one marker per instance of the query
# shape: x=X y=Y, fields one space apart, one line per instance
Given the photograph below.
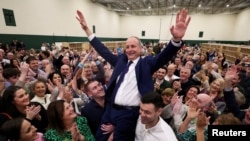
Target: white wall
x=45 y=17
x=217 y=27
x=242 y=29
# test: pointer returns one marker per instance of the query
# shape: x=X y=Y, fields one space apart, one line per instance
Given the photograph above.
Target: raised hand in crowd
x=182 y=21
x=33 y=112
x=24 y=68
x=229 y=76
x=202 y=122
x=50 y=86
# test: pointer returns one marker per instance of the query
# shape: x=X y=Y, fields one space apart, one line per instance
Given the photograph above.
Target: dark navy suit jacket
x=144 y=69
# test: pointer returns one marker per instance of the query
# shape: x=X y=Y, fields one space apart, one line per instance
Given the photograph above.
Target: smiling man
x=150 y=126
x=131 y=78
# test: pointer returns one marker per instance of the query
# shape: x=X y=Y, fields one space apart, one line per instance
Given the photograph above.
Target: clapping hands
x=76 y=135
x=33 y=112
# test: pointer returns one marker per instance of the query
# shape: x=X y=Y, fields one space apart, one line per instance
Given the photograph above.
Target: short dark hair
x=86 y=85
x=46 y=53
x=153 y=98
x=9 y=72
x=193 y=86
x=30 y=58
x=51 y=75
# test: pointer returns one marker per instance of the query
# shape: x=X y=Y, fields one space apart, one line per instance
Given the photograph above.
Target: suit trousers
x=124 y=119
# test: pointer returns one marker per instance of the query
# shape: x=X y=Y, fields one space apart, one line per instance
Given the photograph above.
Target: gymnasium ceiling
x=168 y=7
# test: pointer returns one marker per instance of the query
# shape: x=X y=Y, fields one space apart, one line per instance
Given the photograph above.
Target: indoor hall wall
x=48 y=17
x=214 y=27
x=242 y=28
x=36 y=17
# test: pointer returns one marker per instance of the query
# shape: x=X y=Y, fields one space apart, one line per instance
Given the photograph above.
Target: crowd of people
x=167 y=92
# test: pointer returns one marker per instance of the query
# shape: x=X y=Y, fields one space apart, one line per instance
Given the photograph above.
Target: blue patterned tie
x=120 y=79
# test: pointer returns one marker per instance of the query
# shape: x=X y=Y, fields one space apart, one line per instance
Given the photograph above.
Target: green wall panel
x=35 y=41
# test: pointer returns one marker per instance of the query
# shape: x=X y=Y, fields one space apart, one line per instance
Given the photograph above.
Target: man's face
x=95 y=89
x=33 y=64
x=235 y=80
x=171 y=70
x=133 y=48
x=204 y=101
x=184 y=74
x=177 y=61
x=149 y=114
x=65 y=70
x=66 y=60
x=10 y=56
x=161 y=74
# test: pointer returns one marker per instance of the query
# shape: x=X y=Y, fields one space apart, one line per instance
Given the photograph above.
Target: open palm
x=182 y=21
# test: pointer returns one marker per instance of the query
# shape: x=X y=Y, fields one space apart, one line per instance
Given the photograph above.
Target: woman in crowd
x=176 y=85
x=166 y=114
x=215 y=91
x=191 y=92
x=39 y=90
x=64 y=124
x=14 y=63
x=56 y=83
x=15 y=102
x=20 y=129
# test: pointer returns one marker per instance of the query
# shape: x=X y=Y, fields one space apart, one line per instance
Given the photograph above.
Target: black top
x=93 y=112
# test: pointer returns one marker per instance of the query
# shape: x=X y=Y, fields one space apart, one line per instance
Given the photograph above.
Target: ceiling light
x=227 y=5
x=199 y=5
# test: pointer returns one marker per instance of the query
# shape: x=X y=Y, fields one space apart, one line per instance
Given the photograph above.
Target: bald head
x=203 y=100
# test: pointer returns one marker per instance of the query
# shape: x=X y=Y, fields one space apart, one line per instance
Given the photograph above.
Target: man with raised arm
x=131 y=78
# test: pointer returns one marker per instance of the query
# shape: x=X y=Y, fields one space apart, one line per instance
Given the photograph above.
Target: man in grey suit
x=123 y=98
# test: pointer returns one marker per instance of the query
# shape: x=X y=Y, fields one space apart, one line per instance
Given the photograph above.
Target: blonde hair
x=168 y=92
x=221 y=81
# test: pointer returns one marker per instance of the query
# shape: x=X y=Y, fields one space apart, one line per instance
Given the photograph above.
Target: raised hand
x=83 y=22
x=193 y=110
x=50 y=86
x=182 y=21
x=231 y=73
x=229 y=76
x=81 y=19
x=24 y=67
x=202 y=120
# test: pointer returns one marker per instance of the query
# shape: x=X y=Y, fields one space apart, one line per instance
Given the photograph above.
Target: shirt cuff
x=176 y=44
x=91 y=37
x=228 y=89
x=80 y=65
x=97 y=62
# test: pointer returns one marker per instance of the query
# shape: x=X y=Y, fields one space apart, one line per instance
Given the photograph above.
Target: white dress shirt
x=160 y=132
x=128 y=93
